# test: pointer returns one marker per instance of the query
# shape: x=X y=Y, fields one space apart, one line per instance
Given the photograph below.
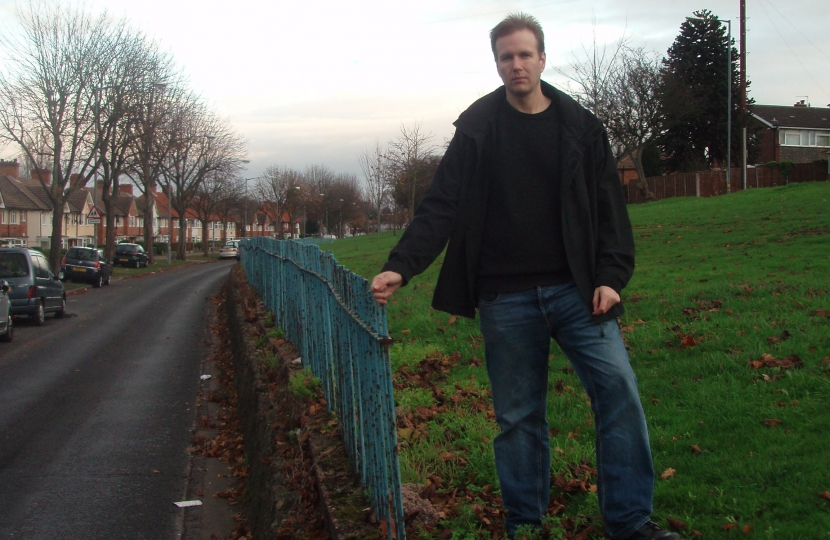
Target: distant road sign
x=93 y=221
x=94 y=214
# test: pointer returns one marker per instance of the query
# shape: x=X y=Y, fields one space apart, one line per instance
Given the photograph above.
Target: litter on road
x=185 y=504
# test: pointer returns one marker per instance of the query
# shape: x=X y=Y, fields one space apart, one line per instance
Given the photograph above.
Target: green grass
x=719 y=283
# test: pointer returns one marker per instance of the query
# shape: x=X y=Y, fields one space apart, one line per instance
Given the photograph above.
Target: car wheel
x=109 y=278
x=9 y=335
x=137 y=264
x=39 y=317
x=59 y=314
x=98 y=281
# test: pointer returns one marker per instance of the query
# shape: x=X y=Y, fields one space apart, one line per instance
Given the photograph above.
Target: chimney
x=11 y=167
x=125 y=189
x=44 y=175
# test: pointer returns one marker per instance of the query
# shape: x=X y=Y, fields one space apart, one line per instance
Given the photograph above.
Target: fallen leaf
x=747 y=529
x=820 y=313
x=668 y=473
x=452 y=320
x=696 y=449
x=687 y=341
x=405 y=433
x=825 y=495
x=675 y=524
x=772 y=422
x=727 y=526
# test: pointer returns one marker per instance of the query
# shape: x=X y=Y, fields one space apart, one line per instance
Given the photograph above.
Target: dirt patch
x=300 y=480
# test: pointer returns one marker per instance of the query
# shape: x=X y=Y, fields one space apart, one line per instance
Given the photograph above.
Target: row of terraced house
x=26 y=215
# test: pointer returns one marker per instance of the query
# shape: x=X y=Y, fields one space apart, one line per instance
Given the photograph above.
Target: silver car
x=6 y=326
x=35 y=291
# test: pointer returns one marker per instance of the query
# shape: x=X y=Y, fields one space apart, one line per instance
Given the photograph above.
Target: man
x=540 y=242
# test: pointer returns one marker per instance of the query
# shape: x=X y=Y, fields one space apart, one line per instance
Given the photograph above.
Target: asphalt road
x=96 y=410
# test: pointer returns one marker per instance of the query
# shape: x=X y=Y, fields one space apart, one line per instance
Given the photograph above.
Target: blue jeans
x=517 y=328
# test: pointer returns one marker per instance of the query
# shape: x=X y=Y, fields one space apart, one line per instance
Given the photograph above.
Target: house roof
x=17 y=195
x=793 y=117
x=77 y=200
x=38 y=190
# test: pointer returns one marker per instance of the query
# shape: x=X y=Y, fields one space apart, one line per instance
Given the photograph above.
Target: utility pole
x=743 y=93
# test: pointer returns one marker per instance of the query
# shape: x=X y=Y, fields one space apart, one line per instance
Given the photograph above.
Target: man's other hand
x=385 y=284
x=604 y=299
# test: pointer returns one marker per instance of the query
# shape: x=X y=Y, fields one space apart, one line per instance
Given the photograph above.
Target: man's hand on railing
x=384 y=285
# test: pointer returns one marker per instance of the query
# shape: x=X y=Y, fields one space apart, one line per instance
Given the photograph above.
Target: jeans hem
x=633 y=529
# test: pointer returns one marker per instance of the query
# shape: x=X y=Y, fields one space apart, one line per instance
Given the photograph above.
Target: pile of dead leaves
x=769 y=361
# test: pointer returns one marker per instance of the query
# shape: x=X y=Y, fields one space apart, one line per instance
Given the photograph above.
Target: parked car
x=230 y=250
x=35 y=290
x=86 y=264
x=129 y=255
x=6 y=326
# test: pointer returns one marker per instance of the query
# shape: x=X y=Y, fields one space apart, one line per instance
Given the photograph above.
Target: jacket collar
x=576 y=122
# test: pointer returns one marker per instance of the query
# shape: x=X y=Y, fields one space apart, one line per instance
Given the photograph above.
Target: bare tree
x=158 y=90
x=634 y=118
x=594 y=79
x=276 y=191
x=375 y=166
x=210 y=195
x=318 y=178
x=409 y=155
x=120 y=96
x=47 y=98
x=201 y=144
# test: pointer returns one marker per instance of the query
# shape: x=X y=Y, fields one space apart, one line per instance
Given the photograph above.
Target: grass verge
x=727 y=325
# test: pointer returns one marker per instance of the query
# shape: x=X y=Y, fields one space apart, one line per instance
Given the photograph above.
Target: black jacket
x=598 y=238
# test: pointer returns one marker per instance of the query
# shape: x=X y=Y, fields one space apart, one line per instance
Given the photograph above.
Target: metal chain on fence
x=340 y=332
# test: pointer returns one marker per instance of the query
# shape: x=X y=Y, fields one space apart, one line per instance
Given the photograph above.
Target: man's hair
x=513 y=23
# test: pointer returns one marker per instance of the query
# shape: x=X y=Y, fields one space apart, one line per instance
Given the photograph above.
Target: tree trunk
x=642 y=185
x=149 y=219
x=182 y=244
x=205 y=240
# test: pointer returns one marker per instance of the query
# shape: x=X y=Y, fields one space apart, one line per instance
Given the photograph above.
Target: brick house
x=25 y=210
x=799 y=133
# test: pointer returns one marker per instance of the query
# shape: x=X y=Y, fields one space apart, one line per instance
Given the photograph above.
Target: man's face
x=519 y=62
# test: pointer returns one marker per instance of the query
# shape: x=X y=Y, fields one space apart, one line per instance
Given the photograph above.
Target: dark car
x=35 y=290
x=129 y=255
x=86 y=264
x=6 y=327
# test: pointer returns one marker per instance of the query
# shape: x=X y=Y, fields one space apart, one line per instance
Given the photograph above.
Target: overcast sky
x=317 y=81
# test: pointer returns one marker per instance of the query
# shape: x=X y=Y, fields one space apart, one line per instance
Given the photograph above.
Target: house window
x=13 y=217
x=804 y=137
x=2 y=216
x=23 y=216
x=45 y=218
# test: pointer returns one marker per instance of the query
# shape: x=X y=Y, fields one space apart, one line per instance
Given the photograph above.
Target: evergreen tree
x=693 y=97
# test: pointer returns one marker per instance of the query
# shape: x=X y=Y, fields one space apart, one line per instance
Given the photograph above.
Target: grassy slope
x=719 y=283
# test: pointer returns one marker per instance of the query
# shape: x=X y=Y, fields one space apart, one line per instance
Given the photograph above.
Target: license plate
x=123 y=260
x=80 y=269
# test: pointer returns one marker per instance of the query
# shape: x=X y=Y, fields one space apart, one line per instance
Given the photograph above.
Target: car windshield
x=126 y=249
x=81 y=254
x=13 y=265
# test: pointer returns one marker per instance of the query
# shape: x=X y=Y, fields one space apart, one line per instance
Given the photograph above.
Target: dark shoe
x=653 y=531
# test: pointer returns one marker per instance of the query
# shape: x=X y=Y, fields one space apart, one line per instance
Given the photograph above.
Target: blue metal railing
x=341 y=333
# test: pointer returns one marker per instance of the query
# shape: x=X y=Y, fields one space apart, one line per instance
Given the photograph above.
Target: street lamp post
x=729 y=106
x=341 y=218
x=245 y=203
